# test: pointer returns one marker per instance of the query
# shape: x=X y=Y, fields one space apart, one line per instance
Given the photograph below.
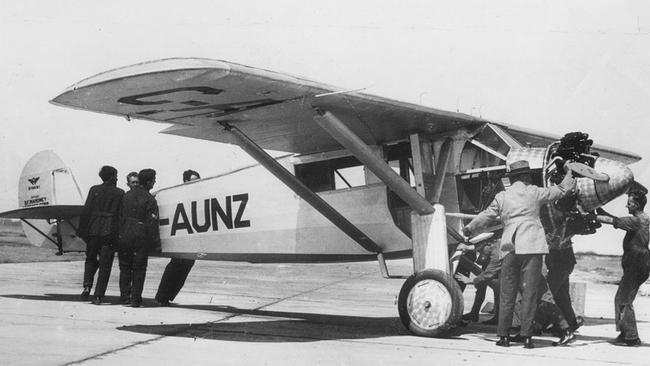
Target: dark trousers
x=479 y=297
x=466 y=266
x=560 y=264
x=133 y=270
x=519 y=271
x=173 y=278
x=633 y=278
x=548 y=312
x=99 y=254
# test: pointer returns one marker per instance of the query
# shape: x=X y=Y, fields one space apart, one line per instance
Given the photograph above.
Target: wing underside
x=275 y=110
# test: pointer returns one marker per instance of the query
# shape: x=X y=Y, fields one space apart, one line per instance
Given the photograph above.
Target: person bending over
x=177 y=269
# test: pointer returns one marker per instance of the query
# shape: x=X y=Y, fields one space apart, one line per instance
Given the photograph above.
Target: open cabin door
x=482 y=168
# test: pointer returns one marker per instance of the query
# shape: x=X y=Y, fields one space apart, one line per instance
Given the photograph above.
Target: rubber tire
x=456 y=298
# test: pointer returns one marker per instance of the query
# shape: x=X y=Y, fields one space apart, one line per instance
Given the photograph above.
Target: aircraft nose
x=592 y=194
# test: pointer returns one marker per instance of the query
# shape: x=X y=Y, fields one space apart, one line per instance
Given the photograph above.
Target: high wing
x=275 y=110
x=542 y=139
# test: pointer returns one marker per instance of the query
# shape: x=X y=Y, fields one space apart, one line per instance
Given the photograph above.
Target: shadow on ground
x=276 y=326
x=281 y=326
x=266 y=325
x=115 y=300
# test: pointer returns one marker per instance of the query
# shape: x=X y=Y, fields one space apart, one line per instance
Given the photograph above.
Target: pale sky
x=554 y=66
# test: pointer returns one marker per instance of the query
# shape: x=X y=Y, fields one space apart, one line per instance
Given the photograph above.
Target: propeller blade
x=588 y=172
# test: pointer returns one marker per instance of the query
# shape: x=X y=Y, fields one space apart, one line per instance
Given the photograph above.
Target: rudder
x=46 y=180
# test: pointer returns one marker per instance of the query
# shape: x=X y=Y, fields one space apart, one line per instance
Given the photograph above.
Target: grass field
x=15 y=248
x=21 y=253
x=598 y=268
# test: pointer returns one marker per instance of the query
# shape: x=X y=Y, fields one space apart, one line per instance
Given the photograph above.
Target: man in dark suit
x=178 y=269
x=98 y=227
x=138 y=235
x=560 y=262
x=489 y=276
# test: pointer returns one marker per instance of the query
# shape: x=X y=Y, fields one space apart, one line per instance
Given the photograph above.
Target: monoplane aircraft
x=367 y=178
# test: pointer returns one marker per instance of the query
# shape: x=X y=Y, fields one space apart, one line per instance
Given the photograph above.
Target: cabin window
x=477 y=190
x=399 y=158
x=327 y=175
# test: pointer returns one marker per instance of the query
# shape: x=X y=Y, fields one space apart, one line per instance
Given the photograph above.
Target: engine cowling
x=592 y=194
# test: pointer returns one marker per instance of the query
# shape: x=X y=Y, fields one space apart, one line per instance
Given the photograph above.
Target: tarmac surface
x=268 y=314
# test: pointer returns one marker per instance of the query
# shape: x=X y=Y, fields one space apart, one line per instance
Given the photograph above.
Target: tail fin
x=47 y=181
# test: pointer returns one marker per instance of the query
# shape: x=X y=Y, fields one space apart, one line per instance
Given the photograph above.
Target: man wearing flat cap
x=523 y=244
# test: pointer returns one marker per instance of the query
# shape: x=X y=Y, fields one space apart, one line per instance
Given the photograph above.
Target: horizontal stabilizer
x=44 y=212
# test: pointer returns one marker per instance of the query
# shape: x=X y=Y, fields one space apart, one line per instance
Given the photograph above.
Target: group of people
x=517 y=261
x=127 y=224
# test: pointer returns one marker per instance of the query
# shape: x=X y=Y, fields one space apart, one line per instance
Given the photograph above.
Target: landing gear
x=430 y=303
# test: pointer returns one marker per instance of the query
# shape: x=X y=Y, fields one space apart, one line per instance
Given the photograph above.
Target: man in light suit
x=523 y=244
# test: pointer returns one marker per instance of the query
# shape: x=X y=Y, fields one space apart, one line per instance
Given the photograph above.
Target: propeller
x=587 y=171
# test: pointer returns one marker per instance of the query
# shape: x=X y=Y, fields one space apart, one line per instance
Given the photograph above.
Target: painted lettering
x=225 y=216
x=137 y=99
x=206 y=217
x=195 y=100
x=216 y=215
x=180 y=225
x=40 y=201
x=243 y=198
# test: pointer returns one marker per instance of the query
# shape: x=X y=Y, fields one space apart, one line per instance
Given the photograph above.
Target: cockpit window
x=327 y=175
x=477 y=190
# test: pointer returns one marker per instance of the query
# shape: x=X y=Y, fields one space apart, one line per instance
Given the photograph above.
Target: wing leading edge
x=275 y=110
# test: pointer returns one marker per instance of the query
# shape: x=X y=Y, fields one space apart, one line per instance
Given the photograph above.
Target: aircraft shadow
x=272 y=326
x=282 y=326
x=277 y=326
x=108 y=300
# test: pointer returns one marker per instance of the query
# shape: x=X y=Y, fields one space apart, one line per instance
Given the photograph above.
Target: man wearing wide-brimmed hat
x=523 y=244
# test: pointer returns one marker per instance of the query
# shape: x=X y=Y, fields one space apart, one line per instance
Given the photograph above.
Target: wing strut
x=488 y=149
x=341 y=133
x=302 y=190
x=428 y=225
x=441 y=169
x=58 y=242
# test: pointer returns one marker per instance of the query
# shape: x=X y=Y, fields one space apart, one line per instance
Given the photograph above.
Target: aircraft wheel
x=430 y=303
